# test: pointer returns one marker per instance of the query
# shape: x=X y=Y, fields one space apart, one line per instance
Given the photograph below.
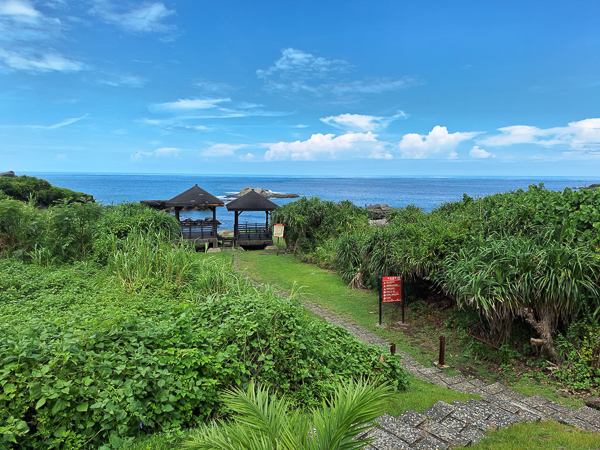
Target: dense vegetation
x=521 y=258
x=37 y=191
x=110 y=329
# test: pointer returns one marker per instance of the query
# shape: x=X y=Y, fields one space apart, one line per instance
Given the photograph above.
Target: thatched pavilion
x=255 y=233
x=197 y=199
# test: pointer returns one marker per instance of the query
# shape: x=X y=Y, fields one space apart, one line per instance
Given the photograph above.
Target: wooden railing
x=196 y=229
x=254 y=231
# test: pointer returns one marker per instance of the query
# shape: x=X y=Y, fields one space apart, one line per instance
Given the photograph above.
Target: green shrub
x=26 y=188
x=86 y=362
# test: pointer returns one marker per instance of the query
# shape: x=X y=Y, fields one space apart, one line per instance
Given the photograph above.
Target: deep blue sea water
x=396 y=192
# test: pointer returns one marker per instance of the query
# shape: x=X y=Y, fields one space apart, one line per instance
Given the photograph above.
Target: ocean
x=426 y=193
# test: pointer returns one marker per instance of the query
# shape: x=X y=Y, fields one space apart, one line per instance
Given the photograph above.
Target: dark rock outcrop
x=378 y=211
x=589 y=186
x=10 y=173
x=155 y=204
x=264 y=192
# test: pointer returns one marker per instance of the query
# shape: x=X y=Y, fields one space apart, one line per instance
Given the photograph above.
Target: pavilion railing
x=196 y=229
x=254 y=231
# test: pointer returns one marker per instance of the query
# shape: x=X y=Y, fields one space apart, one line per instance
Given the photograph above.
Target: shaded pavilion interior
x=256 y=233
x=198 y=199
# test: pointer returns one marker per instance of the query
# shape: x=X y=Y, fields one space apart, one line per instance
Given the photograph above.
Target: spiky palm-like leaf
x=262 y=421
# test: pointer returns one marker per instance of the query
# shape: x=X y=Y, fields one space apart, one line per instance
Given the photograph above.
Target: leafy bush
x=26 y=188
x=86 y=362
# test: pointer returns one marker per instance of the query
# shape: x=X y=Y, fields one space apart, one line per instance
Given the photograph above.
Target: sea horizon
x=397 y=192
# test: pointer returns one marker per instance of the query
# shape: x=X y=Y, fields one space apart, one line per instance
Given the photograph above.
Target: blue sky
x=397 y=87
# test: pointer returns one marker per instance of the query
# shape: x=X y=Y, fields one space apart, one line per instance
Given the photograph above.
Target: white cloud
x=64 y=123
x=29 y=35
x=326 y=146
x=19 y=9
x=374 y=86
x=217 y=150
x=167 y=151
x=187 y=104
x=301 y=72
x=247 y=157
x=214 y=87
x=39 y=62
x=295 y=61
x=477 y=152
x=581 y=136
x=437 y=144
x=122 y=79
x=148 y=18
x=158 y=153
x=360 y=122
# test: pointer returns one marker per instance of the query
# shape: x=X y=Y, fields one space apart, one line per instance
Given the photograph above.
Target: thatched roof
x=252 y=201
x=195 y=197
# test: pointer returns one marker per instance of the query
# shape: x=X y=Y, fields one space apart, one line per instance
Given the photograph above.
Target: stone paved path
x=444 y=425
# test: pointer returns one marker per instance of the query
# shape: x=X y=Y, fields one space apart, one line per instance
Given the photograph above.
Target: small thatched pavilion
x=256 y=233
x=196 y=198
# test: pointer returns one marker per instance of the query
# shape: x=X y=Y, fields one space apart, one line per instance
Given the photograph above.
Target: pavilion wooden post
x=177 y=209
x=214 y=210
x=235 y=225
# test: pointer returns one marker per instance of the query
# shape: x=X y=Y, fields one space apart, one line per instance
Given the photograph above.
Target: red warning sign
x=391 y=289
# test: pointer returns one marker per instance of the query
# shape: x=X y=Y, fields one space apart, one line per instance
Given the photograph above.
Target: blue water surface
x=398 y=192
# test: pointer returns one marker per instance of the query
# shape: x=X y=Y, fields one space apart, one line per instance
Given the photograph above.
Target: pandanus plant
x=512 y=276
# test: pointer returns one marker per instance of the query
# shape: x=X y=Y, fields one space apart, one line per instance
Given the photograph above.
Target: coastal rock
x=264 y=192
x=155 y=204
x=589 y=186
x=379 y=211
x=593 y=402
x=378 y=223
x=10 y=173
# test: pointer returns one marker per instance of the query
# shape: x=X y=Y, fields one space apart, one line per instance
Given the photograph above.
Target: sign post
x=390 y=290
x=278 y=230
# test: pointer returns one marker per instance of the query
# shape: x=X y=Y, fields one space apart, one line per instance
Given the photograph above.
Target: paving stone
x=509 y=395
x=439 y=410
x=477 y=383
x=535 y=400
x=528 y=416
x=477 y=391
x=494 y=389
x=386 y=441
x=454 y=424
x=444 y=434
x=430 y=443
x=559 y=408
x=500 y=420
x=412 y=418
x=473 y=434
x=464 y=387
x=400 y=429
x=502 y=404
x=546 y=411
x=570 y=420
x=471 y=412
x=457 y=379
x=587 y=414
x=430 y=370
